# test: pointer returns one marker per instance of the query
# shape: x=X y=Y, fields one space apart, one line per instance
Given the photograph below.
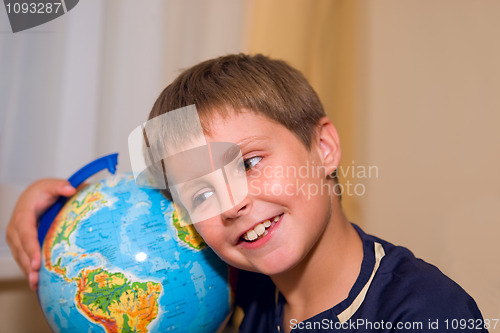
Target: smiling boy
x=304 y=266
x=324 y=272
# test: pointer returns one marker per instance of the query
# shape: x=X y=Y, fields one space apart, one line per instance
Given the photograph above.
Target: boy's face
x=289 y=198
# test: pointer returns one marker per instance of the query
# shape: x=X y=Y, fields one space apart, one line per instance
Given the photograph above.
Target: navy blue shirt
x=394 y=292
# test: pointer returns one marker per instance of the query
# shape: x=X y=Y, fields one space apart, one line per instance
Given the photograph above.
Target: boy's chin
x=270 y=269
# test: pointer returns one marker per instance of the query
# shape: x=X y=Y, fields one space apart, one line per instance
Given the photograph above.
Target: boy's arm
x=22 y=228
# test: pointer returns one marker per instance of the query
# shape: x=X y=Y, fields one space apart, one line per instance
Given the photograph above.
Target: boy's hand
x=22 y=234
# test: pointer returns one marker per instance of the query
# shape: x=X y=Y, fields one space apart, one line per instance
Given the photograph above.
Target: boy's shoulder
x=393 y=287
x=401 y=273
x=407 y=289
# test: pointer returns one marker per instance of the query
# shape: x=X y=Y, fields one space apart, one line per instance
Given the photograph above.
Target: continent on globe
x=187 y=233
x=119 y=258
x=118 y=304
x=108 y=299
x=66 y=223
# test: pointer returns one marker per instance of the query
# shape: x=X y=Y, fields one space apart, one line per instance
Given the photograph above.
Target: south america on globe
x=118 y=258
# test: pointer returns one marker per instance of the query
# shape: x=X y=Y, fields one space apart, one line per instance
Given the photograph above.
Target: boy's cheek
x=278 y=186
x=254 y=188
x=216 y=242
x=267 y=181
x=207 y=230
x=206 y=233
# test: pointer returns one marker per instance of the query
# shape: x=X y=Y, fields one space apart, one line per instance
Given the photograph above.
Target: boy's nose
x=238 y=210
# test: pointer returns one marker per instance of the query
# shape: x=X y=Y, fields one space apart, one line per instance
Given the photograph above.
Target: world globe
x=118 y=258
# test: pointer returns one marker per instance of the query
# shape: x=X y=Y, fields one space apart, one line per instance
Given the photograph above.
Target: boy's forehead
x=235 y=126
x=215 y=126
x=186 y=128
x=187 y=144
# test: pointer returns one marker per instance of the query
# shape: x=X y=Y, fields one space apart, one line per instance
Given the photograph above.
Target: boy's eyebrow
x=235 y=149
x=252 y=139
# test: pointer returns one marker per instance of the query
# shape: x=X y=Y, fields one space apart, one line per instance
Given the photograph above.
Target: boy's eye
x=201 y=196
x=251 y=162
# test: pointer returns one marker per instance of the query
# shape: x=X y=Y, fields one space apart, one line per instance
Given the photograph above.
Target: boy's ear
x=328 y=145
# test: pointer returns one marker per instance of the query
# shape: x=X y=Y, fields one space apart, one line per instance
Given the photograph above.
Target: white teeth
x=252 y=235
x=259 y=230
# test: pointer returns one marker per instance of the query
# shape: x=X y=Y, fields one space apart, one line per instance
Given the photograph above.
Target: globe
x=118 y=258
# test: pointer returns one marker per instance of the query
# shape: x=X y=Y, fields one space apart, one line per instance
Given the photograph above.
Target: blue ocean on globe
x=118 y=258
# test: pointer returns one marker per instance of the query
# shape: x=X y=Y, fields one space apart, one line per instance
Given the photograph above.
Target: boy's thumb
x=55 y=187
x=66 y=189
x=47 y=191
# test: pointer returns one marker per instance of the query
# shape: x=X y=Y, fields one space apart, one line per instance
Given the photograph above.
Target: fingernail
x=33 y=264
x=68 y=188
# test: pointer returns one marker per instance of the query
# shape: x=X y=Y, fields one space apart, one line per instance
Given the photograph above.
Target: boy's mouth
x=260 y=230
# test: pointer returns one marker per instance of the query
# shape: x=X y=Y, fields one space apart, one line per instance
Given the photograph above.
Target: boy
x=309 y=268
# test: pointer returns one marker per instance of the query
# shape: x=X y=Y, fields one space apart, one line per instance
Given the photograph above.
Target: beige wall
x=431 y=100
x=413 y=87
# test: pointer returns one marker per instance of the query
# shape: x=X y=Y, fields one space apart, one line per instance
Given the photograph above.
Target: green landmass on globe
x=118 y=304
x=187 y=233
x=115 y=299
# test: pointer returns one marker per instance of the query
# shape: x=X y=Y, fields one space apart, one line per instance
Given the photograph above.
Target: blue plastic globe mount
x=106 y=162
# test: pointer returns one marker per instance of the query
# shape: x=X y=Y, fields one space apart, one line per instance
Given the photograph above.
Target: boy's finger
x=22 y=259
x=33 y=280
x=41 y=194
x=35 y=261
x=24 y=263
x=32 y=249
x=66 y=189
x=17 y=250
x=29 y=240
x=52 y=186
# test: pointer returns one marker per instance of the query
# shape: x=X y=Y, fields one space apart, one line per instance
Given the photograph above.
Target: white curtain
x=72 y=90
